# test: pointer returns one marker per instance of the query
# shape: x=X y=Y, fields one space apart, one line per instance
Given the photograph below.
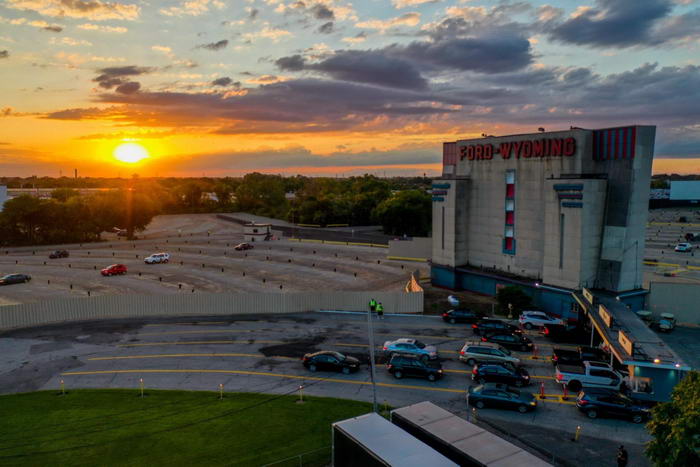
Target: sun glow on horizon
x=130 y=153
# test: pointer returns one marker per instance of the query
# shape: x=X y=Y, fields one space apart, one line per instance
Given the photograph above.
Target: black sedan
x=489 y=325
x=501 y=396
x=461 y=316
x=59 y=254
x=14 y=279
x=330 y=361
x=606 y=403
x=508 y=340
x=505 y=374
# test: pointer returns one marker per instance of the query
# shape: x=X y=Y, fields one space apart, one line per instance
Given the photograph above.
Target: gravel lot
x=203 y=259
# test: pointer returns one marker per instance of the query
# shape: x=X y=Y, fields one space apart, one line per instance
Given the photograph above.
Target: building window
x=509 y=228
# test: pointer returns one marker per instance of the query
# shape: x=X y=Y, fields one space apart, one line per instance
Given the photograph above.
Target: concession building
x=553 y=212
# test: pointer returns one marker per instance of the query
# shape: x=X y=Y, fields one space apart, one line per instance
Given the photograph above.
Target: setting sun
x=130 y=153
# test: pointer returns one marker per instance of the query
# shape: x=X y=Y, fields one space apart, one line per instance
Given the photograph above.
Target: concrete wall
x=683 y=300
x=148 y=306
x=415 y=248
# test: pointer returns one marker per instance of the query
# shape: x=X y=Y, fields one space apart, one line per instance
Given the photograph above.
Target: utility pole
x=371 y=360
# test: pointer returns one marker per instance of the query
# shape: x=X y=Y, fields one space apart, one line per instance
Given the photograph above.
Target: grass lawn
x=117 y=427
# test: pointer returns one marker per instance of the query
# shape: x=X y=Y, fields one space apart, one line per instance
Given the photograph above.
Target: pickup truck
x=589 y=375
x=582 y=353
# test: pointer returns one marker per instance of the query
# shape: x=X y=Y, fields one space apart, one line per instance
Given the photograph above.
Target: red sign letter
x=569 y=146
x=505 y=150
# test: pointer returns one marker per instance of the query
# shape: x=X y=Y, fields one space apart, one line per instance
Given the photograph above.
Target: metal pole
x=592 y=331
x=371 y=360
x=469 y=418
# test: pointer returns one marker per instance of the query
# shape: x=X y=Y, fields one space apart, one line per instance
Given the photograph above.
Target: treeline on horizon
x=400 y=205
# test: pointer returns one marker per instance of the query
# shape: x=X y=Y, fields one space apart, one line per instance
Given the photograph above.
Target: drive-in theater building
x=554 y=213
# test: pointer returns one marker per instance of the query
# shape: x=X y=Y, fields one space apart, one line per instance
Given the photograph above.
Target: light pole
x=371 y=360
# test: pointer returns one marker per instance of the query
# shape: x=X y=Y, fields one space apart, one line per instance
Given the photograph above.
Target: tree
x=408 y=212
x=63 y=194
x=675 y=426
x=515 y=296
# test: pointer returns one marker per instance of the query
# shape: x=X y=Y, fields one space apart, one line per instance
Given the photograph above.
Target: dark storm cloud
x=291 y=63
x=326 y=28
x=114 y=76
x=224 y=81
x=322 y=12
x=214 y=45
x=372 y=67
x=619 y=23
x=4 y=53
x=128 y=87
x=487 y=54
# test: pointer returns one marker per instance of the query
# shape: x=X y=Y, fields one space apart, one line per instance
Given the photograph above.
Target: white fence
x=203 y=304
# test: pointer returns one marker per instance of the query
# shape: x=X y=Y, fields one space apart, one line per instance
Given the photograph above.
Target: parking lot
x=262 y=354
x=664 y=232
x=203 y=259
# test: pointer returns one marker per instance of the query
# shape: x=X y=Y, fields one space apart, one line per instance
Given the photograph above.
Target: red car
x=243 y=246
x=114 y=269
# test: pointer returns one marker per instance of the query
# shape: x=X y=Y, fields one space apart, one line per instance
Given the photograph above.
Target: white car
x=683 y=247
x=537 y=319
x=157 y=258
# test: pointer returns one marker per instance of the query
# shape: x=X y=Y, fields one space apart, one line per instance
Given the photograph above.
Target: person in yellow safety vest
x=372 y=305
x=380 y=310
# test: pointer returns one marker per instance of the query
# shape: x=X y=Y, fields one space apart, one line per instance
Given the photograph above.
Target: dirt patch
x=293 y=349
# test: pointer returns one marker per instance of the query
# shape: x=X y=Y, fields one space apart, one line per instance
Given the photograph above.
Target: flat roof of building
x=481 y=446
x=390 y=443
x=649 y=349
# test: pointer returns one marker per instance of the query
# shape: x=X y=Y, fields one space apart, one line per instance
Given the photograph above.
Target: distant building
x=3 y=196
x=257 y=232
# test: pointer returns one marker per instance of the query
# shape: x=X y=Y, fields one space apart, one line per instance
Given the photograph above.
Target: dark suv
x=506 y=374
x=608 y=403
x=461 y=316
x=402 y=365
x=489 y=325
x=59 y=254
x=508 y=340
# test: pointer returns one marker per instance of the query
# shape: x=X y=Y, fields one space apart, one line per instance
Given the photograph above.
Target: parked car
x=565 y=333
x=120 y=232
x=692 y=237
x=536 y=319
x=461 y=316
x=401 y=365
x=508 y=340
x=14 y=279
x=502 y=397
x=684 y=247
x=494 y=373
x=330 y=361
x=588 y=375
x=487 y=325
x=411 y=346
x=604 y=403
x=114 y=269
x=581 y=354
x=59 y=254
x=482 y=352
x=243 y=246
x=157 y=258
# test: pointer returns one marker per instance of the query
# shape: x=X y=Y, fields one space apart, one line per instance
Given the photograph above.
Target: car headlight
x=533 y=403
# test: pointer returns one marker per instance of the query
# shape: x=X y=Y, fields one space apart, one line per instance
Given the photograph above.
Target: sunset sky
x=221 y=87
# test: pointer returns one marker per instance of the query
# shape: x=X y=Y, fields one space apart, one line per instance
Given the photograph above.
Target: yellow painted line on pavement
x=464 y=372
x=147 y=344
x=181 y=355
x=211 y=331
x=260 y=373
x=195 y=323
x=683 y=224
x=404 y=258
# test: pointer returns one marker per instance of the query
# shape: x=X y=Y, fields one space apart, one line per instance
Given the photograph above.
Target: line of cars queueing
x=498 y=375
x=117 y=269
